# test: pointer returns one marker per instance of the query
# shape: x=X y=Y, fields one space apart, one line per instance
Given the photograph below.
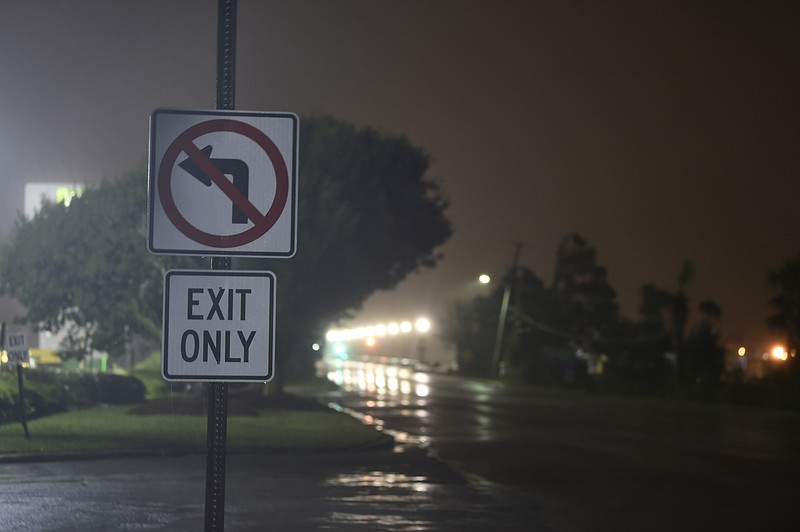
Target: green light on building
x=65 y=194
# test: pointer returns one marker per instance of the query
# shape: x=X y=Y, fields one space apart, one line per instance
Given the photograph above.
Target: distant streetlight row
x=421 y=325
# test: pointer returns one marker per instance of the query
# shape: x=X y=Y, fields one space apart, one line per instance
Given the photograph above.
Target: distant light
x=484 y=279
x=339 y=349
x=742 y=351
x=379 y=330
x=423 y=325
x=779 y=353
x=315 y=346
x=370 y=341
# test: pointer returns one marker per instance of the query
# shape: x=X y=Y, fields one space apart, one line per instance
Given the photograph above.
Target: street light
x=484 y=279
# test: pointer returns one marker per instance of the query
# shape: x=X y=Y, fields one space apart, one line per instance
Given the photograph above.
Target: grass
x=116 y=429
x=173 y=421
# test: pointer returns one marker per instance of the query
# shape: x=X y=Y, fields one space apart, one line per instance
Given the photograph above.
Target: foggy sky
x=661 y=131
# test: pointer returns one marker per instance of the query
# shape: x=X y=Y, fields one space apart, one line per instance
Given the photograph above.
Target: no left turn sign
x=222 y=183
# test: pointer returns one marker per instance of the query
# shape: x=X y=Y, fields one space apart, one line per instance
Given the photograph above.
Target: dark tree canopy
x=83 y=267
x=588 y=302
x=574 y=311
x=785 y=317
x=550 y=326
x=368 y=217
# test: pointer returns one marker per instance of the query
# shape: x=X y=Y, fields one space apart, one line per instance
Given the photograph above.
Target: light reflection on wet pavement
x=401 y=489
x=385 y=500
x=403 y=440
x=583 y=461
x=401 y=396
x=373 y=490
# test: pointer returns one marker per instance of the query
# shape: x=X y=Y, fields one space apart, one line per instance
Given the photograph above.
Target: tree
x=573 y=312
x=367 y=218
x=83 y=268
x=587 y=301
x=703 y=352
x=786 y=302
x=699 y=353
x=471 y=326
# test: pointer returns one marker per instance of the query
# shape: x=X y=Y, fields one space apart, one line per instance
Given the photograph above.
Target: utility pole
x=497 y=355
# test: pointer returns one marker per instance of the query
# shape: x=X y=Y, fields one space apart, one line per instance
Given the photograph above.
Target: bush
x=47 y=392
x=119 y=389
x=7 y=397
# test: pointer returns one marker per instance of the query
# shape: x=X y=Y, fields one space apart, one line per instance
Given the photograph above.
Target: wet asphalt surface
x=400 y=487
x=369 y=490
x=470 y=456
x=587 y=461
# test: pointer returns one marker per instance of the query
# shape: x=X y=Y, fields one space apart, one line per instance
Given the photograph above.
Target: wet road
x=388 y=490
x=376 y=490
x=473 y=456
x=591 y=462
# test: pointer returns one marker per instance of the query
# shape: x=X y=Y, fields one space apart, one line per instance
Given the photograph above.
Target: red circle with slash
x=184 y=143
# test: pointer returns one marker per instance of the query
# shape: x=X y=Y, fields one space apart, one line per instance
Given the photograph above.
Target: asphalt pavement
x=402 y=489
x=470 y=455
x=588 y=461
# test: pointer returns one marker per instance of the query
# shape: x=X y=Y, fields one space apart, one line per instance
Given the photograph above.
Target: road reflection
x=391 y=384
x=370 y=499
x=378 y=498
x=379 y=378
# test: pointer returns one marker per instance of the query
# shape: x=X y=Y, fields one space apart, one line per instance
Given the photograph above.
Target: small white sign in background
x=17 y=349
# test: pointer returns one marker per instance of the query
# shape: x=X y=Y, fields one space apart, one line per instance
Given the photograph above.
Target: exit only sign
x=219 y=326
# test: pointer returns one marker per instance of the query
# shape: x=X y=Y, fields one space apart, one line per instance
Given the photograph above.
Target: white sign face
x=17 y=349
x=218 y=325
x=222 y=183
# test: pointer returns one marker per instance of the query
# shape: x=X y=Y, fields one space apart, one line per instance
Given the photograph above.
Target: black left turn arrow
x=236 y=168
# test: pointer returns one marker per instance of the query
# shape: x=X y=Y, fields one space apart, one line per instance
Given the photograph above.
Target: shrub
x=47 y=392
x=8 y=398
x=119 y=389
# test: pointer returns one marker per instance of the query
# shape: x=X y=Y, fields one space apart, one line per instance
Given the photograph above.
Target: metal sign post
x=217 y=426
x=221 y=183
